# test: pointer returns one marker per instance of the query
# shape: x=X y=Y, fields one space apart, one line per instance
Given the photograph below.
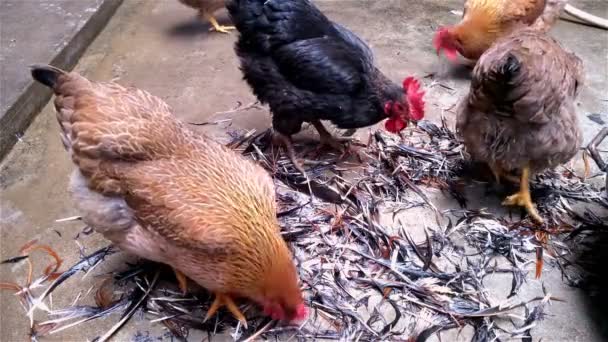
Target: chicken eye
x=398 y=107
x=388 y=108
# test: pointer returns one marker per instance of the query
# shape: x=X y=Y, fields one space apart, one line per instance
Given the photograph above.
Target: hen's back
x=520 y=107
x=140 y=167
x=506 y=11
x=269 y=24
x=106 y=122
x=527 y=76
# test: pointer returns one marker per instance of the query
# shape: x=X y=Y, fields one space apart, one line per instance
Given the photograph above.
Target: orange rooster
x=485 y=21
x=157 y=190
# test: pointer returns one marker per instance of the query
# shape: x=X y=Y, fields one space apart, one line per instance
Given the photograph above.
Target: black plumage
x=307 y=68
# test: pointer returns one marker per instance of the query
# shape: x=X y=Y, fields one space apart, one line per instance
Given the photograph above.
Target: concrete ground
x=160 y=46
x=40 y=32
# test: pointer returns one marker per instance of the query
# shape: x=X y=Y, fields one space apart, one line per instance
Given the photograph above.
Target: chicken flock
x=161 y=192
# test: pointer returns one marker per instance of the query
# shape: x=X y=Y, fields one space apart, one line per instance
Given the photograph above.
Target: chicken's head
x=445 y=40
x=284 y=312
x=281 y=297
x=412 y=108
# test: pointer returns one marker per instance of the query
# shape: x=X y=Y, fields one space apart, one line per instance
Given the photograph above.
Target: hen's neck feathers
x=478 y=29
x=387 y=89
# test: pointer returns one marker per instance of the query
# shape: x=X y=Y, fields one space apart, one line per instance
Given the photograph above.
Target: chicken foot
x=225 y=300
x=215 y=25
x=220 y=300
x=291 y=153
x=523 y=198
x=285 y=141
x=182 y=281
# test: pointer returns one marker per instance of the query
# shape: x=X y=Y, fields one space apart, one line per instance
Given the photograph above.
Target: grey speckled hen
x=519 y=115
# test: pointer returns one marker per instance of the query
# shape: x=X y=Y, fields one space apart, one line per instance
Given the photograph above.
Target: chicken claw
x=523 y=198
x=215 y=25
x=224 y=300
x=182 y=281
x=291 y=153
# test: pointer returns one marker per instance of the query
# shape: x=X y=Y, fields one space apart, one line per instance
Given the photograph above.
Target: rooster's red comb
x=441 y=34
x=444 y=40
x=415 y=98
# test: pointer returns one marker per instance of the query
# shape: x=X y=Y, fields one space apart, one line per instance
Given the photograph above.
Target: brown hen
x=206 y=9
x=157 y=190
x=520 y=114
x=485 y=21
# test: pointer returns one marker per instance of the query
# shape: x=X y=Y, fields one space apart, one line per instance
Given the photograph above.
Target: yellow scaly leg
x=224 y=300
x=182 y=281
x=216 y=26
x=523 y=198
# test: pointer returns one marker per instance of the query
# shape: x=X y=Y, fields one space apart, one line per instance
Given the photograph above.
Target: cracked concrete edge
x=22 y=112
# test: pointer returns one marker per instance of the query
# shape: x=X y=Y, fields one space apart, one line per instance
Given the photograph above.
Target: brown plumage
x=485 y=21
x=206 y=9
x=159 y=191
x=520 y=114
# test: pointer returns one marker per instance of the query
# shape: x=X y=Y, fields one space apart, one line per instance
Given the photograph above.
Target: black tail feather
x=46 y=74
x=501 y=81
x=510 y=67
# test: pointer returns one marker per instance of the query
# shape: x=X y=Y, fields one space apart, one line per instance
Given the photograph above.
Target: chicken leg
x=327 y=139
x=224 y=300
x=499 y=173
x=291 y=153
x=215 y=25
x=182 y=281
x=523 y=198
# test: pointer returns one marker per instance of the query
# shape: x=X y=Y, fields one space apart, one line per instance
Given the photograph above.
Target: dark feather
x=306 y=67
x=46 y=74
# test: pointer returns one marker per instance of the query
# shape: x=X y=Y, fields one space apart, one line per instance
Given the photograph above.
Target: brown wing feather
x=201 y=195
x=112 y=122
x=214 y=206
x=178 y=184
x=109 y=123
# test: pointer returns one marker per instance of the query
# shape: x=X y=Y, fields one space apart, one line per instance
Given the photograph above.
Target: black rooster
x=308 y=69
